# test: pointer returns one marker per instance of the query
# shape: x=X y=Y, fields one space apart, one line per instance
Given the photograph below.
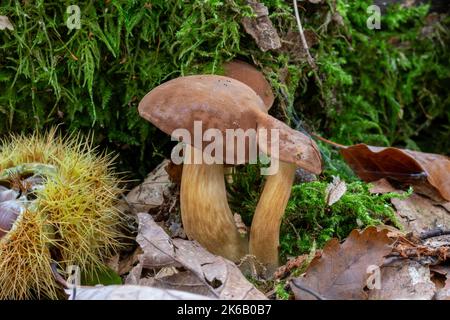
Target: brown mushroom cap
x=249 y=75
x=223 y=103
x=219 y=102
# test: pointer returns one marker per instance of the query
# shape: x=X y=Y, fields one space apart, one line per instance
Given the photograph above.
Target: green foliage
x=376 y=86
x=103 y=275
x=245 y=190
x=308 y=220
x=384 y=87
x=281 y=292
x=93 y=78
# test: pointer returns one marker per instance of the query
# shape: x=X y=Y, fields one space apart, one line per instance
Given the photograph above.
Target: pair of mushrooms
x=238 y=101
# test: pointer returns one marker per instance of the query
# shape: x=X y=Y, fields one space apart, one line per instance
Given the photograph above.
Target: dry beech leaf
x=428 y=173
x=5 y=23
x=205 y=273
x=404 y=279
x=130 y=292
x=150 y=194
x=341 y=271
x=335 y=190
x=416 y=213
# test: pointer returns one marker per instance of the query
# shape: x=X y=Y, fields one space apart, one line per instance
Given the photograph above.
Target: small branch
x=434 y=233
x=334 y=144
x=302 y=37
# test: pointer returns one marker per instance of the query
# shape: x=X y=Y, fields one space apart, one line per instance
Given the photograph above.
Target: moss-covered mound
x=386 y=86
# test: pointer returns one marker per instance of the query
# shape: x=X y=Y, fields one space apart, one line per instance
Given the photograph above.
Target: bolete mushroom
x=219 y=103
x=265 y=228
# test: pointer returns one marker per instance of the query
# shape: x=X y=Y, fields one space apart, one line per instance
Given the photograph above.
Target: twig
x=434 y=233
x=334 y=144
x=302 y=37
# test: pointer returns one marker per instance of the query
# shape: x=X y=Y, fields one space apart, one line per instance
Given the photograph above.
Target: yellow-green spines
x=72 y=221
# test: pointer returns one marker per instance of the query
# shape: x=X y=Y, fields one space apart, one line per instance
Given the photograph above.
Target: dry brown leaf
x=130 y=292
x=382 y=186
x=440 y=275
x=205 y=272
x=261 y=28
x=150 y=193
x=174 y=171
x=335 y=190
x=418 y=214
x=292 y=43
x=5 y=23
x=404 y=279
x=440 y=269
x=126 y=264
x=428 y=173
x=341 y=272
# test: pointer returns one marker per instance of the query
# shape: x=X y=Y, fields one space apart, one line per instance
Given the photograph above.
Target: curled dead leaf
x=5 y=23
x=428 y=173
x=335 y=190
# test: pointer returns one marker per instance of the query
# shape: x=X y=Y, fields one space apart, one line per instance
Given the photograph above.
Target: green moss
x=383 y=86
x=281 y=292
x=308 y=221
x=93 y=78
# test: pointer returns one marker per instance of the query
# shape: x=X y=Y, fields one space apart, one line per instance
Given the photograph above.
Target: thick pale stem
x=206 y=216
x=265 y=229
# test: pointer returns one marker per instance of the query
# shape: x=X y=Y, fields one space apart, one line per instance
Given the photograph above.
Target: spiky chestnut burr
x=57 y=206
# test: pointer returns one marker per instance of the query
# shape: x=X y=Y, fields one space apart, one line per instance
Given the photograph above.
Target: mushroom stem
x=206 y=216
x=265 y=229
